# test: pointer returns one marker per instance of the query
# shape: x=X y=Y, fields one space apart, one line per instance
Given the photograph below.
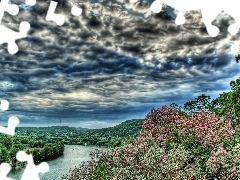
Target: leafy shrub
x=102 y=172
x=231 y=143
x=172 y=146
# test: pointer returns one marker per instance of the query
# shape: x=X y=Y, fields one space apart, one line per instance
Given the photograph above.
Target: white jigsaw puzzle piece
x=9 y=36
x=30 y=2
x=31 y=171
x=209 y=9
x=12 y=9
x=12 y=124
x=12 y=121
x=4 y=105
x=51 y=16
x=76 y=11
x=5 y=168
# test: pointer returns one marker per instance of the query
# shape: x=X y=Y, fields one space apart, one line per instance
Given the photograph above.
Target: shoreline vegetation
x=47 y=143
x=41 y=151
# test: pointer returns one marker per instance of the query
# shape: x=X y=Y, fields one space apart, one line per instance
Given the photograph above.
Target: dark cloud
x=114 y=62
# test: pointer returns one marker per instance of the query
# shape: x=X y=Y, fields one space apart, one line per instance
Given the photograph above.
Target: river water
x=61 y=165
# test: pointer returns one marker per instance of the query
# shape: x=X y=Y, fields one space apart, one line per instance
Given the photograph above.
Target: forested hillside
x=115 y=136
x=111 y=136
x=46 y=143
x=125 y=129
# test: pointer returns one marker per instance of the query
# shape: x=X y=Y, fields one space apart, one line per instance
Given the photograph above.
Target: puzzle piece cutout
x=76 y=11
x=4 y=105
x=30 y=2
x=209 y=9
x=12 y=9
x=31 y=171
x=13 y=121
x=58 y=18
x=7 y=35
x=5 y=168
x=51 y=16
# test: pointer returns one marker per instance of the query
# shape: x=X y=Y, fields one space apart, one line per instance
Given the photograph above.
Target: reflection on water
x=73 y=156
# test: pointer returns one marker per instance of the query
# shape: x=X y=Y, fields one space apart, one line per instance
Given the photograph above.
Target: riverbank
x=61 y=165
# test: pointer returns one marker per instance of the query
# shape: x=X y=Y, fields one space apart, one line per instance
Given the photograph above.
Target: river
x=61 y=165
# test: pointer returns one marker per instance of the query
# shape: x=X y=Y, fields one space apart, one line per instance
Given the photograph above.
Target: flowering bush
x=172 y=146
x=225 y=165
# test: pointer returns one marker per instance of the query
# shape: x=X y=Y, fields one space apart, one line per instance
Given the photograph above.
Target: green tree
x=178 y=108
x=12 y=154
x=4 y=154
x=6 y=141
x=227 y=104
x=200 y=103
x=46 y=152
x=37 y=156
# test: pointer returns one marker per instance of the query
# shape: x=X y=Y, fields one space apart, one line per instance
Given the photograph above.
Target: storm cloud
x=114 y=62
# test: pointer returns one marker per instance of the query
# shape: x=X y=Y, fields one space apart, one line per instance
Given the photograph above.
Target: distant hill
x=125 y=129
x=111 y=136
x=82 y=129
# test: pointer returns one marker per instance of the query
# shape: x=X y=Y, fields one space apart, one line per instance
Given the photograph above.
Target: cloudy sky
x=114 y=62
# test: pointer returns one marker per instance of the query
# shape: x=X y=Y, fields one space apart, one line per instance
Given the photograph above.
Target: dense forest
x=108 y=137
x=47 y=143
x=41 y=150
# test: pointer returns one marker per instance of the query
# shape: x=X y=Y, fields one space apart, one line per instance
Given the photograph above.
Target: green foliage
x=122 y=142
x=12 y=154
x=117 y=143
x=75 y=136
x=102 y=172
x=179 y=109
x=128 y=141
x=9 y=146
x=228 y=103
x=4 y=154
x=202 y=153
x=232 y=142
x=200 y=103
x=187 y=140
x=6 y=141
x=191 y=143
